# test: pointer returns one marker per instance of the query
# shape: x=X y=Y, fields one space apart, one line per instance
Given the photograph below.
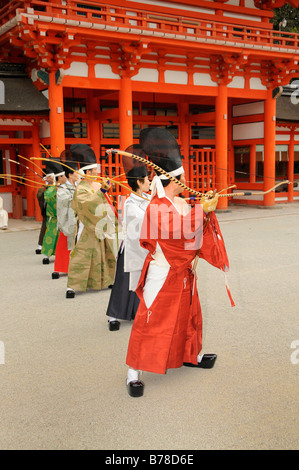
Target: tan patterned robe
x=92 y=261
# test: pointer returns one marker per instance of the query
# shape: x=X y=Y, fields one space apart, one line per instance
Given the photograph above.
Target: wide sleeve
x=50 y=199
x=213 y=247
x=66 y=221
x=89 y=205
x=135 y=254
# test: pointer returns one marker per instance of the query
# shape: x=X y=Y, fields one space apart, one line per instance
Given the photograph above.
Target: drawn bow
x=190 y=190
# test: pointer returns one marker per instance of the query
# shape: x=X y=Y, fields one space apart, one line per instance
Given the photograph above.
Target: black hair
x=68 y=172
x=166 y=182
x=132 y=182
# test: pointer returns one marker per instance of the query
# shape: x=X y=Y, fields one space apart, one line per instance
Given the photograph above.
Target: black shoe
x=38 y=251
x=114 y=325
x=55 y=275
x=70 y=294
x=135 y=388
x=207 y=362
x=46 y=261
x=110 y=286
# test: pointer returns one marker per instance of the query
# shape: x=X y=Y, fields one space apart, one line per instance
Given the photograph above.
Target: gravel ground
x=62 y=373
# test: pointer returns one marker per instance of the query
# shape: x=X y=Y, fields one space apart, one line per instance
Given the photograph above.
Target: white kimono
x=134 y=210
x=159 y=267
x=66 y=221
x=3 y=216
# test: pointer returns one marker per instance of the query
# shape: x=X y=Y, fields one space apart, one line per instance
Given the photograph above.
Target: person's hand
x=209 y=203
x=105 y=186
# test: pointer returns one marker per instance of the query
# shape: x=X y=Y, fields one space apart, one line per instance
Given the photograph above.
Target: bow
x=190 y=190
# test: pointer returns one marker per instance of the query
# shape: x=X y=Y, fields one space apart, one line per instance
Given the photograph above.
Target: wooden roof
x=20 y=94
x=286 y=108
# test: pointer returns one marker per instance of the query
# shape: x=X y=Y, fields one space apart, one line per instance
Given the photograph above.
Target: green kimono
x=92 y=261
x=51 y=235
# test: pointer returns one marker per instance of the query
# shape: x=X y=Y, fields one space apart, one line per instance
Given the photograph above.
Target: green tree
x=288 y=13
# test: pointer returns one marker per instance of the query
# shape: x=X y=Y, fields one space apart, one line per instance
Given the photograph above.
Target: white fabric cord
x=157 y=187
x=176 y=172
x=59 y=174
x=89 y=167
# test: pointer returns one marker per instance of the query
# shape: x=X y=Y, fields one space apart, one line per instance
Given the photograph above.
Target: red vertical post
x=269 y=148
x=183 y=109
x=125 y=116
x=291 y=168
x=36 y=152
x=56 y=116
x=94 y=124
x=252 y=163
x=221 y=143
x=125 y=113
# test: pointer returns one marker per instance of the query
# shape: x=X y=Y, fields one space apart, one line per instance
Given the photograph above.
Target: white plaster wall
x=177 y=5
x=237 y=82
x=256 y=84
x=77 y=69
x=176 y=77
x=44 y=129
x=147 y=75
x=203 y=79
x=252 y=130
x=17 y=122
x=284 y=138
x=104 y=71
x=241 y=17
x=249 y=109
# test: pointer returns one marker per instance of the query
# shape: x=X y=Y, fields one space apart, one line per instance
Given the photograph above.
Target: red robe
x=62 y=255
x=169 y=332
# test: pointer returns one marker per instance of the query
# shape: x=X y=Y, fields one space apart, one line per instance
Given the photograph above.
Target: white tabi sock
x=132 y=376
x=112 y=319
x=199 y=358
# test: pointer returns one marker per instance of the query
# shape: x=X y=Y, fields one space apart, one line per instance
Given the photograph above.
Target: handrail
x=142 y=21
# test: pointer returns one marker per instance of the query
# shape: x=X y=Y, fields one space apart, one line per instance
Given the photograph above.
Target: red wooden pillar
x=252 y=163
x=94 y=124
x=56 y=116
x=36 y=152
x=125 y=117
x=30 y=192
x=291 y=168
x=221 y=143
x=269 y=148
x=230 y=148
x=183 y=109
x=125 y=113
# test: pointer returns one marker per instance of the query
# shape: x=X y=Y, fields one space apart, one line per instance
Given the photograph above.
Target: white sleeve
x=134 y=253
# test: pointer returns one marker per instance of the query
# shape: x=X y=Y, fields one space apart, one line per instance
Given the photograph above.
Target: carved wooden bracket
x=224 y=67
x=125 y=57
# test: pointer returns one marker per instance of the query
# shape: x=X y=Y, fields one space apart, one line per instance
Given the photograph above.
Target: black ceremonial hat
x=71 y=165
x=54 y=166
x=84 y=156
x=134 y=168
x=162 y=149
